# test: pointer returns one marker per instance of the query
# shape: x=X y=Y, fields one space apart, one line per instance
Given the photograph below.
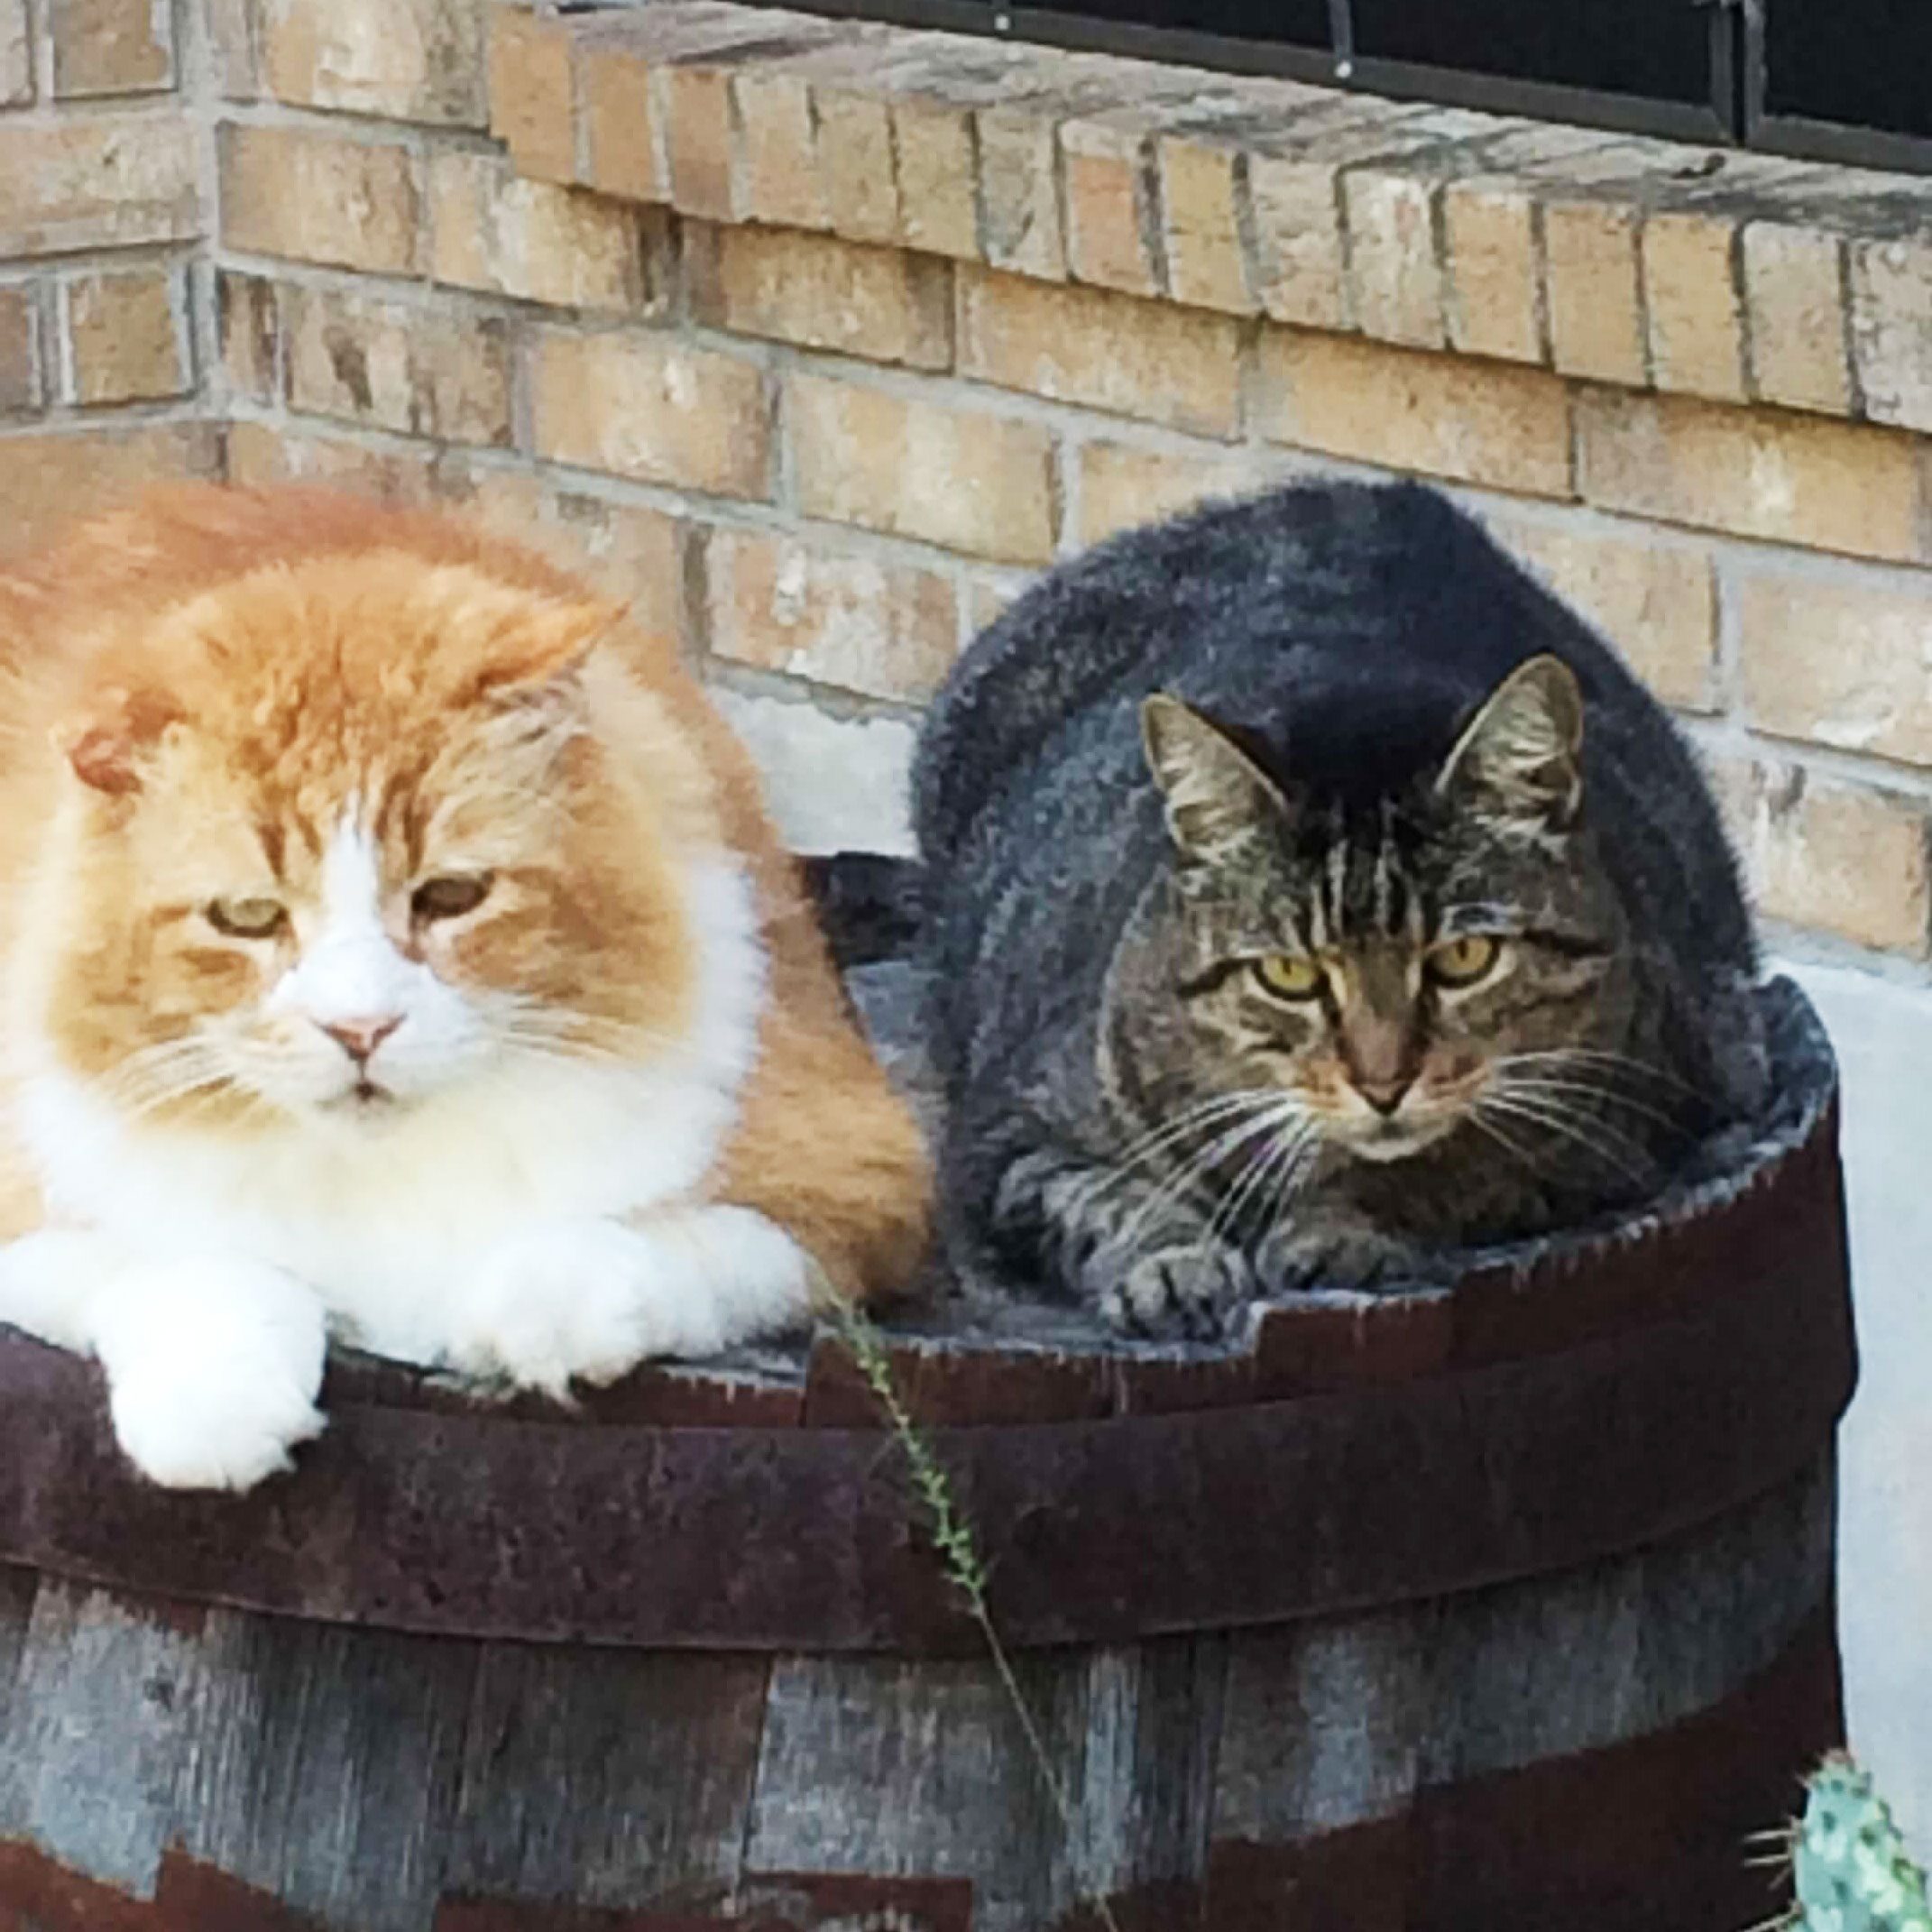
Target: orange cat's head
x=337 y=830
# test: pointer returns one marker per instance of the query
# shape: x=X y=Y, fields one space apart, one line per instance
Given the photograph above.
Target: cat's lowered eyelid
x=450 y=896
x=250 y=917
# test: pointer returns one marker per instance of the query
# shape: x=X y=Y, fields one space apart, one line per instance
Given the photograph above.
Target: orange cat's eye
x=248 y=918
x=1289 y=976
x=450 y=898
x=1463 y=961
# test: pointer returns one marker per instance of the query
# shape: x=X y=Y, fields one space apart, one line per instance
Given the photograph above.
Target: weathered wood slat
x=605 y=1777
x=888 y=1767
x=333 y=1783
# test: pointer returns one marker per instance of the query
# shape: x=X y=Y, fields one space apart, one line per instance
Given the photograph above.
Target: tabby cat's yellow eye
x=248 y=918
x=1288 y=976
x=1463 y=961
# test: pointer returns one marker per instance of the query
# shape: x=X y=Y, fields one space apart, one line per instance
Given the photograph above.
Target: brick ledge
x=1736 y=277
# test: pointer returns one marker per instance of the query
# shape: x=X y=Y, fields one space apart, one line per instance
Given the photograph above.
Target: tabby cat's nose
x=359 y=1038
x=1384 y=1095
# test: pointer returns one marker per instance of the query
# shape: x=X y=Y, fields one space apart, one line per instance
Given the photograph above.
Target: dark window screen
x=1283 y=23
x=1864 y=63
x=1657 y=48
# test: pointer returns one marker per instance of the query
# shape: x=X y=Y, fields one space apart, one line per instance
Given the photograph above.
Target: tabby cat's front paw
x=1191 y=1289
x=1293 y=1260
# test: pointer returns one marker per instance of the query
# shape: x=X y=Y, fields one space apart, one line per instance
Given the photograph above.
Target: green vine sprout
x=959 y=1552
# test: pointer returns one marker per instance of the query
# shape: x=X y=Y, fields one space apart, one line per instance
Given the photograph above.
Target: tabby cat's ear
x=1216 y=794
x=108 y=745
x=1520 y=757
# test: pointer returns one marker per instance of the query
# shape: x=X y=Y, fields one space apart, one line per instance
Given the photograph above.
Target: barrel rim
x=1475 y=1436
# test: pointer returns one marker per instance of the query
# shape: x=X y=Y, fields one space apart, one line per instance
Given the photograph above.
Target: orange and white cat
x=392 y=944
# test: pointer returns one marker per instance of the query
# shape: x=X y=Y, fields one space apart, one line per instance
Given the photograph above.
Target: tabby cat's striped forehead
x=1353 y=876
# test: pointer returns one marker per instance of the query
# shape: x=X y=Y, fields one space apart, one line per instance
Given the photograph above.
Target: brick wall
x=823 y=337
x=102 y=278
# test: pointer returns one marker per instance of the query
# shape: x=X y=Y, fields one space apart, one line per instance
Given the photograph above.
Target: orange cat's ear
x=545 y=642
x=106 y=747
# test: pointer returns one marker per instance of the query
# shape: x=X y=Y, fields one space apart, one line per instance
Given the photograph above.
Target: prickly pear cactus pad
x=1848 y=1862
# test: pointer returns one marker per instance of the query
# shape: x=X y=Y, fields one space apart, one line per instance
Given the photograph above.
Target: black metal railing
x=1843 y=79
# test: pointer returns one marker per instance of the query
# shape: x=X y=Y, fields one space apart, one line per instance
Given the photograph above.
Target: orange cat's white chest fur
x=393 y=959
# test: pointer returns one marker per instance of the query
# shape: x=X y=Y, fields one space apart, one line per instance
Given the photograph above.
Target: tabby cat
x=391 y=942
x=1311 y=895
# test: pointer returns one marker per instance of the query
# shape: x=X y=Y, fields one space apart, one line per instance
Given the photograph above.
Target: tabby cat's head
x=1400 y=967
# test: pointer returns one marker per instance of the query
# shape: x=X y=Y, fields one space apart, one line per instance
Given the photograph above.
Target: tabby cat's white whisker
x=1566 y=1124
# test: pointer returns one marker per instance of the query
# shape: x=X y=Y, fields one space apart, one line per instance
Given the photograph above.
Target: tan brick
x=111 y=46
x=966 y=479
x=408 y=60
x=1110 y=206
x=127 y=336
x=16 y=55
x=1407 y=410
x=1202 y=186
x=1494 y=301
x=48 y=478
x=1179 y=366
x=855 y=165
x=531 y=89
x=1891 y=330
x=319 y=197
x=1595 y=309
x=396 y=365
x=883 y=304
x=1759 y=472
x=1018 y=194
x=939 y=208
x=541 y=243
x=1848 y=860
x=230 y=28
x=260 y=453
x=1303 y=259
x=632 y=552
x=1121 y=487
x=988 y=599
x=778 y=151
x=1657 y=601
x=1794 y=280
x=620 y=125
x=1840 y=664
x=652 y=409
x=1696 y=325
x=516 y=501
x=1394 y=279
x=96 y=181
x=698 y=141
x=20 y=363
x=248 y=320
x=886 y=630
x=620 y=549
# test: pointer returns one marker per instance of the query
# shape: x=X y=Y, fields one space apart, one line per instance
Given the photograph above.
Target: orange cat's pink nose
x=358 y=1038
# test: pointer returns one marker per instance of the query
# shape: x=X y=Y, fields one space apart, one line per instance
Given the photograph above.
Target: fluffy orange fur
x=280 y=656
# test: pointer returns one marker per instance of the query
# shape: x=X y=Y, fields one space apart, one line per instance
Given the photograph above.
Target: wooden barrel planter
x=1506 y=1607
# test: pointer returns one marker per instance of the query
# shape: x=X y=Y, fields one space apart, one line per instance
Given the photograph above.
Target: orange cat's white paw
x=591 y=1299
x=213 y=1369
